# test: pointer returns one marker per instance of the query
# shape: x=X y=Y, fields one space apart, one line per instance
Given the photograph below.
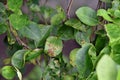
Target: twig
x=15 y=34
x=68 y=8
x=99 y=4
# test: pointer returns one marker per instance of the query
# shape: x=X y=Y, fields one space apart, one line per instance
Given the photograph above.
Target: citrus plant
x=38 y=38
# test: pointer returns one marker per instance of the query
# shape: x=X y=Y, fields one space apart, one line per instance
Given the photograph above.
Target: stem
x=99 y=4
x=15 y=34
x=69 y=8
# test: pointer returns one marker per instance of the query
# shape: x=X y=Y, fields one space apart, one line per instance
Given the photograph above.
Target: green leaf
x=83 y=61
x=118 y=75
x=58 y=18
x=47 y=11
x=45 y=32
x=71 y=22
x=3 y=28
x=36 y=32
x=104 y=14
x=73 y=57
x=117 y=13
x=66 y=33
x=106 y=69
x=112 y=32
x=115 y=54
x=34 y=54
x=14 y=5
x=8 y=72
x=18 y=59
x=35 y=74
x=87 y=15
x=92 y=76
x=35 y=7
x=53 y=46
x=100 y=43
x=18 y=21
x=76 y=24
x=92 y=53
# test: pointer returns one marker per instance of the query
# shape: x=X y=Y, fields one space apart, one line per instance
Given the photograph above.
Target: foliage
x=31 y=38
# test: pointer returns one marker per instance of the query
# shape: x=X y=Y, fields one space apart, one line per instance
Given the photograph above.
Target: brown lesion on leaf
x=51 y=50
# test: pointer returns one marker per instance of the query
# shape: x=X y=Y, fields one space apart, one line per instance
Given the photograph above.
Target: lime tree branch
x=69 y=8
x=15 y=34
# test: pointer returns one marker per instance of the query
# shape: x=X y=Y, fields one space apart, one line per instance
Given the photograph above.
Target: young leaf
x=104 y=14
x=112 y=32
x=53 y=46
x=106 y=69
x=14 y=5
x=87 y=15
x=18 y=59
x=18 y=21
x=83 y=61
x=8 y=72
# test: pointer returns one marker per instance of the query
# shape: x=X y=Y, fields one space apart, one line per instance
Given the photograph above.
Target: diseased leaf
x=104 y=14
x=87 y=15
x=83 y=61
x=18 y=21
x=82 y=37
x=14 y=5
x=73 y=57
x=106 y=69
x=53 y=46
x=18 y=59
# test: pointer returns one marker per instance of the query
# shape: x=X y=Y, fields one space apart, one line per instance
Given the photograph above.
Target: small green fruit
x=8 y=72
